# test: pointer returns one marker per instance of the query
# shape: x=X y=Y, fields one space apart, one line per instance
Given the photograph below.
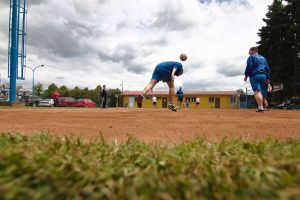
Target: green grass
x=47 y=167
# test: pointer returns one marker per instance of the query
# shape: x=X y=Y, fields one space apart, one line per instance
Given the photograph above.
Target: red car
x=85 y=103
x=66 y=101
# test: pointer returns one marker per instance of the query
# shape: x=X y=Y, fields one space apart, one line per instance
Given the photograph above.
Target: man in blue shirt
x=179 y=95
x=259 y=73
x=165 y=72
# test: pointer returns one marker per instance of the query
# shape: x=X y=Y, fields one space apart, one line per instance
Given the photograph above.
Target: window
x=211 y=99
x=190 y=99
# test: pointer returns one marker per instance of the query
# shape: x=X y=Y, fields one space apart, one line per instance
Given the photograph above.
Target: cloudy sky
x=87 y=43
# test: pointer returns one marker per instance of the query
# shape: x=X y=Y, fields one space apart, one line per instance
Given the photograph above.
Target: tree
x=76 y=93
x=240 y=91
x=51 y=88
x=95 y=95
x=63 y=91
x=292 y=9
x=112 y=96
x=279 y=43
x=38 y=89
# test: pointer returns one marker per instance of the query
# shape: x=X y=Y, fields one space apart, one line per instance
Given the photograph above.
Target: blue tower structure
x=17 y=45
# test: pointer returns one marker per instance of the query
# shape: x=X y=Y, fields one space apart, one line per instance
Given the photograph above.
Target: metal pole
x=14 y=53
x=122 y=86
x=33 y=82
x=33 y=69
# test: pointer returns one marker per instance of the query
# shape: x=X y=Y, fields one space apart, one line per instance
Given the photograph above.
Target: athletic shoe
x=172 y=107
x=139 y=100
x=259 y=110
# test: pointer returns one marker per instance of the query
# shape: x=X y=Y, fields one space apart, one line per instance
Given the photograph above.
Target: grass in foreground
x=47 y=167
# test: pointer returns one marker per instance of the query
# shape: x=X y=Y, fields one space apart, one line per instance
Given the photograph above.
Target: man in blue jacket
x=165 y=72
x=259 y=73
x=179 y=95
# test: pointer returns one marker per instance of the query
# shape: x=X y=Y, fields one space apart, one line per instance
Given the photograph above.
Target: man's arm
x=173 y=73
x=248 y=67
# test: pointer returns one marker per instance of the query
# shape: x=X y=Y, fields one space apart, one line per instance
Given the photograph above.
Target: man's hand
x=245 y=78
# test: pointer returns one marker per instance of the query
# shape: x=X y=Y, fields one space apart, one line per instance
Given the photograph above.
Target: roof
x=200 y=93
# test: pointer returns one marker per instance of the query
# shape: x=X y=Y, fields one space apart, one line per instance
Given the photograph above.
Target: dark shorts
x=179 y=99
x=160 y=75
x=258 y=82
x=154 y=103
x=197 y=103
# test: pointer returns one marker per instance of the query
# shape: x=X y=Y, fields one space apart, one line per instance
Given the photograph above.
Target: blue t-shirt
x=179 y=93
x=163 y=71
x=257 y=64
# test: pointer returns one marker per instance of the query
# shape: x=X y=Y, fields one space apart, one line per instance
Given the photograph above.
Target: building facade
x=208 y=99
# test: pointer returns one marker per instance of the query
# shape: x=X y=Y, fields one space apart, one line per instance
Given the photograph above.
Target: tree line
x=114 y=95
x=280 y=44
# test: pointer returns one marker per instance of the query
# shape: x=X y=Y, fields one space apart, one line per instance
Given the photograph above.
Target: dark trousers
x=103 y=104
x=56 y=102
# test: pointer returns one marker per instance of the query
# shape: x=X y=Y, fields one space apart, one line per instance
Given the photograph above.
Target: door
x=217 y=102
x=131 y=102
x=164 y=102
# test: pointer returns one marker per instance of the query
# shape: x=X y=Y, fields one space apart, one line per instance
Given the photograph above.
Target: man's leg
x=171 y=91
x=265 y=103
x=104 y=102
x=171 y=94
x=148 y=87
x=259 y=99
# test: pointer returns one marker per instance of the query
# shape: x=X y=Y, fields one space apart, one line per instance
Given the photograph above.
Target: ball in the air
x=183 y=57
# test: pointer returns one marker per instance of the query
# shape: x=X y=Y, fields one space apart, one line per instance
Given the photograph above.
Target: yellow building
x=208 y=99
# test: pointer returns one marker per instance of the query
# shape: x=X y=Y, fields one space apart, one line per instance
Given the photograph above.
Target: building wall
x=225 y=101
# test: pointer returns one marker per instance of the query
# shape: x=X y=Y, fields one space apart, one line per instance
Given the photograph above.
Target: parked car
x=66 y=101
x=46 y=103
x=88 y=103
x=31 y=100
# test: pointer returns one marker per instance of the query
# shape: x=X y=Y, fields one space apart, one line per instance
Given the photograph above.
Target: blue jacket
x=179 y=93
x=257 y=64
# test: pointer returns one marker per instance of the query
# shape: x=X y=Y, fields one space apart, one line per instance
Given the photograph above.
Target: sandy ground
x=152 y=125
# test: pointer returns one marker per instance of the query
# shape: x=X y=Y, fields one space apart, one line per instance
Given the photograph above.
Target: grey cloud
x=230 y=69
x=169 y=18
x=57 y=40
x=36 y=2
x=207 y=85
x=125 y=55
x=159 y=41
x=80 y=28
x=200 y=85
x=29 y=2
x=60 y=77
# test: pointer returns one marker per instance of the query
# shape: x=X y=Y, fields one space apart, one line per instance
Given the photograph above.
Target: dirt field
x=152 y=125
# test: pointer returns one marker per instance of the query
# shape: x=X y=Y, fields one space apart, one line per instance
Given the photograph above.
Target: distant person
x=55 y=96
x=179 y=95
x=258 y=71
x=154 y=99
x=197 y=102
x=187 y=103
x=103 y=96
x=165 y=72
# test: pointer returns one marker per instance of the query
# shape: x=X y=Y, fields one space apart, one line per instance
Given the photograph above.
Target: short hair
x=179 y=72
x=254 y=49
